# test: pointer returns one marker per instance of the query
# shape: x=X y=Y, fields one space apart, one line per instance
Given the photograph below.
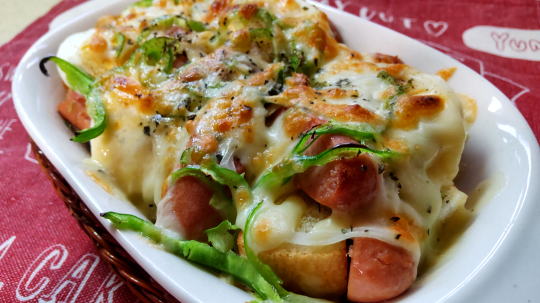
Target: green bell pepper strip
x=300 y=163
x=96 y=110
x=266 y=17
x=220 y=201
x=220 y=235
x=261 y=33
x=185 y=158
x=240 y=268
x=143 y=3
x=262 y=268
x=296 y=298
x=196 y=25
x=166 y=21
x=237 y=184
x=239 y=187
x=401 y=87
x=84 y=84
x=119 y=40
x=356 y=132
x=159 y=50
x=225 y=176
x=77 y=79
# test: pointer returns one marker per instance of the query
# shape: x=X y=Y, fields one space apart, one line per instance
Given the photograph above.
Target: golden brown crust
x=396 y=70
x=129 y=91
x=228 y=113
x=383 y=58
x=446 y=73
x=319 y=271
x=410 y=109
x=315 y=101
x=296 y=122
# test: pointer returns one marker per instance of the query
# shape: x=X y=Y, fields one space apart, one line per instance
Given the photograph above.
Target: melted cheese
x=216 y=104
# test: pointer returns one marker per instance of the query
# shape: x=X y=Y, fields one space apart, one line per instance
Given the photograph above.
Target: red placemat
x=45 y=257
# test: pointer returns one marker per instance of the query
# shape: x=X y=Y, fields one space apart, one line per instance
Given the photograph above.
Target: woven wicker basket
x=137 y=280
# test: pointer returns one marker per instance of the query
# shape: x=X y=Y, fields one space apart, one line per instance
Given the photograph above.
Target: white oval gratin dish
x=495 y=260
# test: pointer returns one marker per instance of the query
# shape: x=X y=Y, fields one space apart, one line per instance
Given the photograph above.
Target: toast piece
x=317 y=271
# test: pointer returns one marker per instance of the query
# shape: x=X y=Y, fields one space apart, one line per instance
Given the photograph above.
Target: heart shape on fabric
x=435 y=28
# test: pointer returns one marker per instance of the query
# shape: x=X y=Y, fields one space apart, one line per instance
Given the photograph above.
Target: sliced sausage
x=191 y=206
x=73 y=109
x=378 y=271
x=345 y=184
x=238 y=166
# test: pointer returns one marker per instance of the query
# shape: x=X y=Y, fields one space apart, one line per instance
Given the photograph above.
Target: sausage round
x=73 y=109
x=191 y=206
x=378 y=270
x=345 y=184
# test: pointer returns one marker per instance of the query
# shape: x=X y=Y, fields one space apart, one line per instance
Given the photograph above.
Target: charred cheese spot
x=410 y=109
x=129 y=91
x=347 y=113
x=95 y=176
x=180 y=61
x=338 y=93
x=203 y=145
x=192 y=74
x=446 y=73
x=98 y=43
x=95 y=55
x=356 y=66
x=241 y=40
x=297 y=79
x=396 y=144
x=297 y=122
x=190 y=127
x=470 y=109
x=316 y=102
x=218 y=6
x=262 y=231
x=396 y=70
x=248 y=10
x=266 y=75
x=232 y=117
x=321 y=40
x=406 y=228
x=383 y=58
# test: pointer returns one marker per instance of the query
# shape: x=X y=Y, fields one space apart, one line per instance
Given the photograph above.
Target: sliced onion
x=227 y=151
x=328 y=235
